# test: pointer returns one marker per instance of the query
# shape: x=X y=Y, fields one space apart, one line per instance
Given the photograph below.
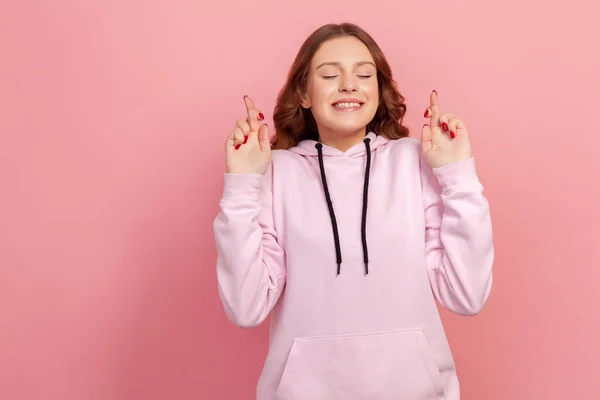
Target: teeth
x=346 y=105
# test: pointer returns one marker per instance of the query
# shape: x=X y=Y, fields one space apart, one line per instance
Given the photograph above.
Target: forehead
x=343 y=50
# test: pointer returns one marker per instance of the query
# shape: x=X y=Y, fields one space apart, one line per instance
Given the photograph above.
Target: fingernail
x=444 y=126
x=245 y=139
x=261 y=116
x=426 y=113
x=237 y=146
x=452 y=135
x=245 y=96
x=424 y=125
x=435 y=91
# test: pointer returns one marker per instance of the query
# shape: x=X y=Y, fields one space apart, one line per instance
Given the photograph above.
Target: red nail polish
x=424 y=125
x=245 y=139
x=444 y=126
x=261 y=116
x=426 y=113
x=237 y=146
x=452 y=135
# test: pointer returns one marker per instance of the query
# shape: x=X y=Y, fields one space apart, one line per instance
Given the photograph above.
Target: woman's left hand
x=445 y=139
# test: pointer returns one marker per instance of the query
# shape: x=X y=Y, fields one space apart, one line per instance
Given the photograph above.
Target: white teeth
x=346 y=105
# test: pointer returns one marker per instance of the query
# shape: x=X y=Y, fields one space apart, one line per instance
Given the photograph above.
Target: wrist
x=241 y=186
x=457 y=174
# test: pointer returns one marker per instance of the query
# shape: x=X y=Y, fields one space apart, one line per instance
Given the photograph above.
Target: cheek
x=323 y=92
x=372 y=89
x=324 y=98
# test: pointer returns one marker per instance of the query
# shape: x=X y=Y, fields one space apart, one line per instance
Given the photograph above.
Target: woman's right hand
x=248 y=147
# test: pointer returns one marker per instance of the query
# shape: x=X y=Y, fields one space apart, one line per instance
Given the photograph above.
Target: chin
x=349 y=125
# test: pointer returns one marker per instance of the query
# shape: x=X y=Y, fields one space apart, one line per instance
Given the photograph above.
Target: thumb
x=264 y=139
x=426 y=138
x=230 y=142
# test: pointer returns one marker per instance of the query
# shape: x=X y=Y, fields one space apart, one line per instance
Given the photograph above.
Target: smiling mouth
x=348 y=105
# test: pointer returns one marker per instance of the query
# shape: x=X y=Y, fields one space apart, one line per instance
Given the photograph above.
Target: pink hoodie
x=370 y=328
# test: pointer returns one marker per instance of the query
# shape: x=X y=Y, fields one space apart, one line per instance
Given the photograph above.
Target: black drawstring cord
x=364 y=210
x=336 y=237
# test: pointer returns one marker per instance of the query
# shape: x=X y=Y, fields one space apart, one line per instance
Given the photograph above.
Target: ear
x=305 y=102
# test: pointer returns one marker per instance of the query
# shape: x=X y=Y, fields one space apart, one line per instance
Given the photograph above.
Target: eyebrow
x=337 y=64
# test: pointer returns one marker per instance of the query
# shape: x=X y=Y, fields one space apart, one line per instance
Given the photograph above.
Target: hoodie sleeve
x=459 y=248
x=250 y=262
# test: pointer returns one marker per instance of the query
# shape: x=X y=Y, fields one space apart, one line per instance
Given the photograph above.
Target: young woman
x=345 y=231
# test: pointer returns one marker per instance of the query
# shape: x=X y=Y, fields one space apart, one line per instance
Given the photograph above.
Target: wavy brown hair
x=293 y=123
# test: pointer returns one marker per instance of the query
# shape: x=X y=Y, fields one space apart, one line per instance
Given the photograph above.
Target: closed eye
x=335 y=76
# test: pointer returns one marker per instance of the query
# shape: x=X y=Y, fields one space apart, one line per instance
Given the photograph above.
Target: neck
x=342 y=141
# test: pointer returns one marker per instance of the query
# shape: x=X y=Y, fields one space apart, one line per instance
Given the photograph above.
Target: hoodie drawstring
x=336 y=236
x=364 y=210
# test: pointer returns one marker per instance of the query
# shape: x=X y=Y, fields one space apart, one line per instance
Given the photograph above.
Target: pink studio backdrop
x=113 y=116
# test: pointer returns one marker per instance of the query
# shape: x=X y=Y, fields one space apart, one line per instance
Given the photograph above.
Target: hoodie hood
x=307 y=148
x=312 y=148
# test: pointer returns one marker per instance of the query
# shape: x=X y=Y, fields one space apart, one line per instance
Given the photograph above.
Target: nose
x=348 y=83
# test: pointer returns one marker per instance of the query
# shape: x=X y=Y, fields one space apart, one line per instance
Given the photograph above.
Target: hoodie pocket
x=375 y=366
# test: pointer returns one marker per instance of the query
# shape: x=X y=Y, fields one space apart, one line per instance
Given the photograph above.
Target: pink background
x=113 y=116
